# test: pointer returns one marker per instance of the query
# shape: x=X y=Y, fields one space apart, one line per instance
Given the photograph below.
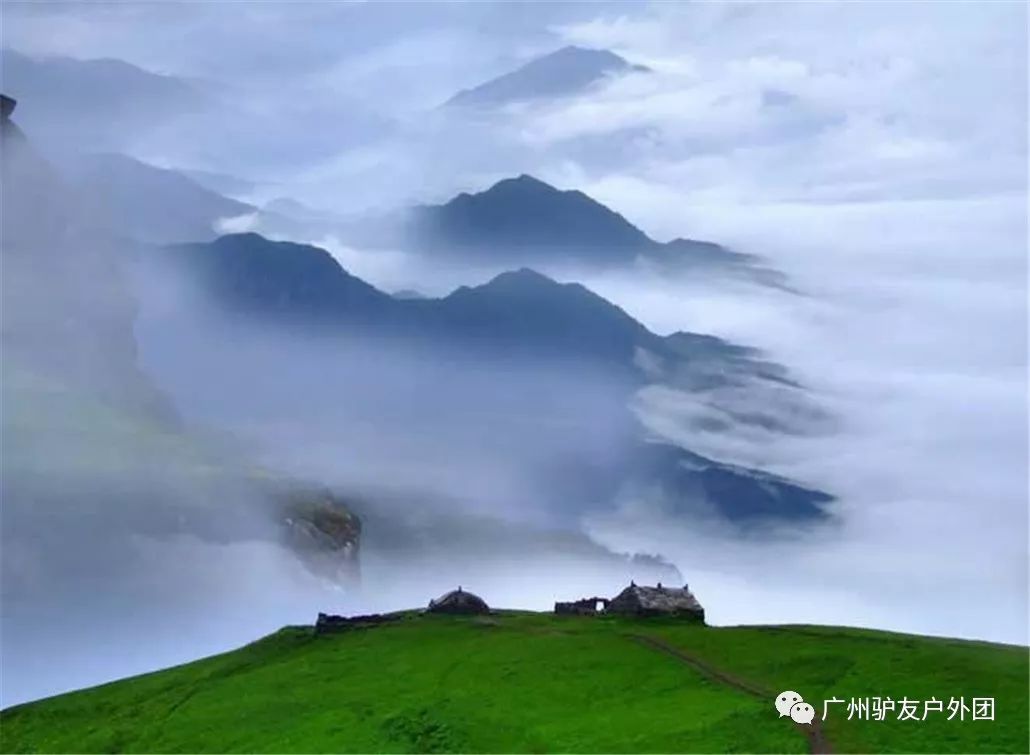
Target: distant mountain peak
x=244 y=238
x=523 y=184
x=524 y=220
x=524 y=277
x=561 y=73
x=575 y=51
x=525 y=273
x=600 y=57
x=533 y=220
x=252 y=273
x=524 y=179
x=523 y=282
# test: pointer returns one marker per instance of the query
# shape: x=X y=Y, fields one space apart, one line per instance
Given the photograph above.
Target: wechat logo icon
x=793 y=705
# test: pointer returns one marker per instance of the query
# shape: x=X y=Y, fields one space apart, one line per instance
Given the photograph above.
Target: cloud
x=237 y=223
x=913 y=334
x=896 y=110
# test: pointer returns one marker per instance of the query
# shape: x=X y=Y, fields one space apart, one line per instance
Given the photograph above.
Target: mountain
x=153 y=204
x=409 y=293
x=519 y=312
x=75 y=102
x=568 y=71
x=524 y=220
x=53 y=247
x=287 y=282
x=169 y=205
x=523 y=682
x=97 y=463
x=100 y=82
x=526 y=312
x=518 y=320
x=525 y=216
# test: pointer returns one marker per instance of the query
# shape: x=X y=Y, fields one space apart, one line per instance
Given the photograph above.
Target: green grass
x=520 y=682
x=828 y=662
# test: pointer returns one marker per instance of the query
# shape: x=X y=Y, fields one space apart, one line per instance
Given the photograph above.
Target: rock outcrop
x=324 y=532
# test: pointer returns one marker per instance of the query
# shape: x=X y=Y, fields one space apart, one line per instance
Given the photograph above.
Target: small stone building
x=329 y=623
x=584 y=607
x=637 y=600
x=459 y=602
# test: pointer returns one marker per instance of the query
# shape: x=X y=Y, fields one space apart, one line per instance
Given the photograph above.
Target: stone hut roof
x=459 y=602
x=659 y=600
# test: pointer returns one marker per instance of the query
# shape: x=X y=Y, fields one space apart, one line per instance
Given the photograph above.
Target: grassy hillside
x=520 y=682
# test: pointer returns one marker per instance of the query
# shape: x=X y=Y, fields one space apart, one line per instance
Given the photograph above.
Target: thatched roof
x=638 y=599
x=459 y=601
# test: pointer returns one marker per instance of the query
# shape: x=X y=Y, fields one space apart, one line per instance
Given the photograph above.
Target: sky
x=875 y=152
x=815 y=102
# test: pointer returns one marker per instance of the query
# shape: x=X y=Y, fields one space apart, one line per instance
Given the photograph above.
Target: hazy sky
x=815 y=102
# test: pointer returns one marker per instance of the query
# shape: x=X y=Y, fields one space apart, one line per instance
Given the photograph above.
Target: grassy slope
x=533 y=682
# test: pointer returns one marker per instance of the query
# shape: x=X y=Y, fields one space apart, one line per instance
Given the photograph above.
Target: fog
x=875 y=153
x=913 y=334
x=909 y=332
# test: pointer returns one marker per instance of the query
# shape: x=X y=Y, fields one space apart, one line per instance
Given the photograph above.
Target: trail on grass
x=817 y=741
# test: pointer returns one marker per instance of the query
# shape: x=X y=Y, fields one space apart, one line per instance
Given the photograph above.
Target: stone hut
x=583 y=607
x=637 y=600
x=459 y=602
x=329 y=623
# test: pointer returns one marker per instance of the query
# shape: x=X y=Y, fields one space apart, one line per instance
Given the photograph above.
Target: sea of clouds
x=876 y=153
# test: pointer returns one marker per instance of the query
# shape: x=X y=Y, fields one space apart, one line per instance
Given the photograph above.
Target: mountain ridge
x=567 y=71
x=74 y=100
x=516 y=319
x=150 y=203
x=522 y=220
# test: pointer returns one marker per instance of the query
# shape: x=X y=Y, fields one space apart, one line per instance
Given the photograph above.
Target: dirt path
x=817 y=741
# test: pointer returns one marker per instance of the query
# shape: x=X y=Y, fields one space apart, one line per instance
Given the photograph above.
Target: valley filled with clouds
x=773 y=343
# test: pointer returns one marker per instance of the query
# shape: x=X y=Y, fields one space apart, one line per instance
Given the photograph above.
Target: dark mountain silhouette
x=525 y=216
x=568 y=71
x=409 y=293
x=524 y=220
x=517 y=313
x=518 y=317
x=153 y=204
x=524 y=312
x=289 y=282
x=520 y=313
